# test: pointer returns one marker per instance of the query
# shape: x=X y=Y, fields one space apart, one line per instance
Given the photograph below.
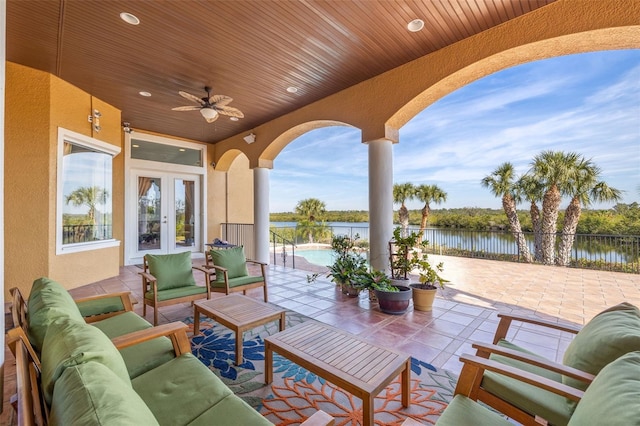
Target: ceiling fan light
x=209 y=113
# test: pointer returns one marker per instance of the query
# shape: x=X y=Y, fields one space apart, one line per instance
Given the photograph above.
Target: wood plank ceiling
x=250 y=50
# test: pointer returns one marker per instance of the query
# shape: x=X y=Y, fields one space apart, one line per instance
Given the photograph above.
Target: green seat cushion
x=144 y=356
x=613 y=398
x=609 y=335
x=181 y=390
x=91 y=394
x=237 y=282
x=70 y=343
x=529 y=398
x=524 y=365
x=48 y=301
x=464 y=412
x=233 y=260
x=174 y=293
x=105 y=305
x=171 y=270
x=231 y=411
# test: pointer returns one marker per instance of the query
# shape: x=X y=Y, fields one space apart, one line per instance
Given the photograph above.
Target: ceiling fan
x=210 y=106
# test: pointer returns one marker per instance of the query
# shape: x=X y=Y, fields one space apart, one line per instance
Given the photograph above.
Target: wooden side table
x=238 y=313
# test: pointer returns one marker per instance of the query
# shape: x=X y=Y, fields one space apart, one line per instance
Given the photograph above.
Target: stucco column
x=380 y=202
x=261 y=213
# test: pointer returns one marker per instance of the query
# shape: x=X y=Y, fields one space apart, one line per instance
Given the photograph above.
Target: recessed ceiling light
x=233 y=118
x=135 y=146
x=292 y=89
x=146 y=94
x=415 y=25
x=129 y=18
x=182 y=150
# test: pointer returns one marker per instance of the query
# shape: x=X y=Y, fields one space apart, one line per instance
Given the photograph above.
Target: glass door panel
x=149 y=213
x=184 y=195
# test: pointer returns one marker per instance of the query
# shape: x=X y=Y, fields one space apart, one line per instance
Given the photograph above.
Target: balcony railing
x=72 y=234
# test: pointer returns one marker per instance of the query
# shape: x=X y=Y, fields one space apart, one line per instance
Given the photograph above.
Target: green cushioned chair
x=613 y=398
x=232 y=274
x=168 y=279
x=609 y=335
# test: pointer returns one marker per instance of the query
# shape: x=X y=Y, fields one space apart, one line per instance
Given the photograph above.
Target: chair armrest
x=17 y=335
x=506 y=319
x=204 y=268
x=148 y=277
x=104 y=311
x=255 y=262
x=176 y=331
x=319 y=418
x=474 y=367
x=485 y=349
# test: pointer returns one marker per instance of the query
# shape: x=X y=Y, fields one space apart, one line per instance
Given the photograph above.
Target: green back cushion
x=70 y=343
x=613 y=398
x=48 y=301
x=100 y=306
x=171 y=270
x=609 y=335
x=233 y=260
x=91 y=394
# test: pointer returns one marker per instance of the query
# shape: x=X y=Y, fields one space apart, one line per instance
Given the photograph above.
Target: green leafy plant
x=428 y=275
x=405 y=258
x=372 y=279
x=348 y=262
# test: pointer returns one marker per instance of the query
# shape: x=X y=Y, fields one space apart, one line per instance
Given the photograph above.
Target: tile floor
x=466 y=311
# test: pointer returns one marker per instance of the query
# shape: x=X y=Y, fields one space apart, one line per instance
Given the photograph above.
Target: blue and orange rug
x=295 y=393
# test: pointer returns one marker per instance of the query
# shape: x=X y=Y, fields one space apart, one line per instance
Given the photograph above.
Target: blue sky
x=587 y=103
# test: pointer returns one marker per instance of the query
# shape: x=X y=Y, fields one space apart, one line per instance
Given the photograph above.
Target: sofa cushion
x=144 y=356
x=70 y=343
x=174 y=293
x=48 y=301
x=609 y=335
x=464 y=411
x=233 y=260
x=91 y=394
x=180 y=390
x=552 y=375
x=104 y=305
x=613 y=398
x=237 y=282
x=231 y=411
x=171 y=270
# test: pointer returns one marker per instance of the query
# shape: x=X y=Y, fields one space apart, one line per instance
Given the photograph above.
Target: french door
x=167 y=213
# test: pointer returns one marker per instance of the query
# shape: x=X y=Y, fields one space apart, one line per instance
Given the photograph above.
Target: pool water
x=317 y=257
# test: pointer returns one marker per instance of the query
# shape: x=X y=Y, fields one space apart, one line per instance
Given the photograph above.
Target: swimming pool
x=317 y=257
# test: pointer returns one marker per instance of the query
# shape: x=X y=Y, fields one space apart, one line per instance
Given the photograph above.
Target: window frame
x=75 y=138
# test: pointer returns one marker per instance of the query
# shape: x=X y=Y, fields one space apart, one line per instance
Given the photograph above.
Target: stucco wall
x=37 y=103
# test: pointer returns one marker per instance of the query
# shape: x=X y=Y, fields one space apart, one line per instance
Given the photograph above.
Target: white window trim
x=87 y=142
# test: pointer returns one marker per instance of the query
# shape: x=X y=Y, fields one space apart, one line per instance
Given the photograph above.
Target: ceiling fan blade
x=230 y=111
x=186 y=108
x=192 y=98
x=220 y=100
x=211 y=120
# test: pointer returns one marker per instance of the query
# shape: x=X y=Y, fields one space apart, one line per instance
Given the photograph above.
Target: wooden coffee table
x=355 y=365
x=238 y=313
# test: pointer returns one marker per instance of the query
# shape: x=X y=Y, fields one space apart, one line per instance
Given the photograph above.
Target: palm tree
x=90 y=196
x=585 y=188
x=529 y=188
x=401 y=193
x=554 y=170
x=311 y=209
x=502 y=184
x=428 y=194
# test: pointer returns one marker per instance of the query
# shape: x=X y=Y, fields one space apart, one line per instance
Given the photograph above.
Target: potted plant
x=404 y=256
x=424 y=292
x=370 y=280
x=348 y=264
x=391 y=299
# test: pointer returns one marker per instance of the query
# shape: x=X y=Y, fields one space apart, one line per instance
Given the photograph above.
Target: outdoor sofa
x=113 y=371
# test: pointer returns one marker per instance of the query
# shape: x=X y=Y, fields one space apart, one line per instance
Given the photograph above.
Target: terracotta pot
x=350 y=291
x=394 y=302
x=423 y=297
x=372 y=295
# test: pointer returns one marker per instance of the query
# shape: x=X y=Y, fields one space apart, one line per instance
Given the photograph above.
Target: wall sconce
x=213 y=164
x=126 y=127
x=95 y=119
x=250 y=138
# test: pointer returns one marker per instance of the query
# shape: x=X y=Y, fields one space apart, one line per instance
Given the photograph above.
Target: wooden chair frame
x=214 y=270
x=149 y=282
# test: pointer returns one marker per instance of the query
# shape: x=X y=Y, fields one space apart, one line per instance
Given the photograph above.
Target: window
x=85 y=193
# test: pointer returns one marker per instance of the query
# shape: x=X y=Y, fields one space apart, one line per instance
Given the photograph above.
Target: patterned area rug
x=295 y=393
